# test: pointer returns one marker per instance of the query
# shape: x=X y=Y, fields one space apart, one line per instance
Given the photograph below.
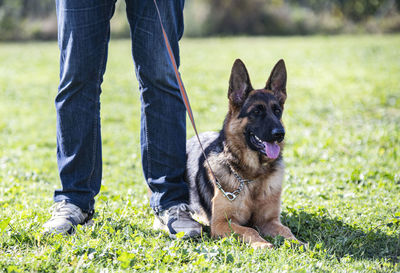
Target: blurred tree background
x=36 y=19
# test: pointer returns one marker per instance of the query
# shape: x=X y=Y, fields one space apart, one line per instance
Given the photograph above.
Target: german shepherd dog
x=245 y=159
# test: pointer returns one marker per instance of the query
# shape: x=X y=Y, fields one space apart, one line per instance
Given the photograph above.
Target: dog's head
x=259 y=111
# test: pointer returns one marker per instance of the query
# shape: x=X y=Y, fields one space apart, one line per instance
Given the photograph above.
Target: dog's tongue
x=272 y=149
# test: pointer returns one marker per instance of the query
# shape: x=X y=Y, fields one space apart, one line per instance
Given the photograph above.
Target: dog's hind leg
x=223 y=228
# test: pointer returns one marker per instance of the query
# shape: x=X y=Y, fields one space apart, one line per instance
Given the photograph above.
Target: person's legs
x=163 y=119
x=83 y=35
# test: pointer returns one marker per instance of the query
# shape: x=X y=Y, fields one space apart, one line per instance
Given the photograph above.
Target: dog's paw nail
x=261 y=245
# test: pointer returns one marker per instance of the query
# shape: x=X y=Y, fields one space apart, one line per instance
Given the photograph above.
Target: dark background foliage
x=35 y=19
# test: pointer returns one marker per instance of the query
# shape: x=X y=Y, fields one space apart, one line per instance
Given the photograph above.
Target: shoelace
x=182 y=210
x=62 y=209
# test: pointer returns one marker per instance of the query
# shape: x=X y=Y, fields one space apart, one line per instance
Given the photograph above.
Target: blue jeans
x=83 y=36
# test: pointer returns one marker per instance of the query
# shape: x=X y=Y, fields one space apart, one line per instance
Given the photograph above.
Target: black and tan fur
x=257 y=207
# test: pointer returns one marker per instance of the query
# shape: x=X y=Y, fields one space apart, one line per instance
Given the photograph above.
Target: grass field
x=342 y=185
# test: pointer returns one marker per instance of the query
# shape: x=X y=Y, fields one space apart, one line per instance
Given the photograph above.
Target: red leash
x=230 y=196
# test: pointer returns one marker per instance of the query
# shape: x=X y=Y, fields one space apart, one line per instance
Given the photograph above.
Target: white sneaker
x=178 y=219
x=65 y=217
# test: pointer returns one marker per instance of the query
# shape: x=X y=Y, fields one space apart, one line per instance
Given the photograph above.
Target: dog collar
x=237 y=176
x=231 y=196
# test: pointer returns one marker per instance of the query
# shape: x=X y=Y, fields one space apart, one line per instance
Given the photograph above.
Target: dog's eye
x=277 y=111
x=258 y=110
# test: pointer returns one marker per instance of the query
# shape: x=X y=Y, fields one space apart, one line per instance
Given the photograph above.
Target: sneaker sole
x=157 y=225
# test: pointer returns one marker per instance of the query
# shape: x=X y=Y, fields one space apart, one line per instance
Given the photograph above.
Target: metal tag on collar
x=231 y=196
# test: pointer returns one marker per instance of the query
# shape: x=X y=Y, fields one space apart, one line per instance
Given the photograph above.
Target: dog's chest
x=259 y=196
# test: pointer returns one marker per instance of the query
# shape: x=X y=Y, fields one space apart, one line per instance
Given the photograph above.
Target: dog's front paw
x=261 y=245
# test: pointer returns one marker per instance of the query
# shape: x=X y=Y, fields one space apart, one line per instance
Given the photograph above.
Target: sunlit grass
x=342 y=157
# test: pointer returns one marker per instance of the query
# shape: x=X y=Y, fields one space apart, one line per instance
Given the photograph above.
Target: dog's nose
x=278 y=134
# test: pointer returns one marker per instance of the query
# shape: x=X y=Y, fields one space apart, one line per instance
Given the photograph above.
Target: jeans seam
x=96 y=121
x=147 y=147
x=138 y=17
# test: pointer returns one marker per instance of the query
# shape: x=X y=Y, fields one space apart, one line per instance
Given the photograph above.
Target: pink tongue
x=272 y=149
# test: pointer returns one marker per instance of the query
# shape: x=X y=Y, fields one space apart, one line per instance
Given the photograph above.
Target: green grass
x=342 y=185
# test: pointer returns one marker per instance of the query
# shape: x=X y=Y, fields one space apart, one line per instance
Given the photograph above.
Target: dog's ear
x=239 y=84
x=277 y=81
